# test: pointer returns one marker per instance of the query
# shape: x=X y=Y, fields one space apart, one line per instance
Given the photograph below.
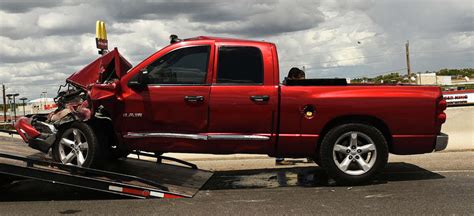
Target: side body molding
x=196 y=136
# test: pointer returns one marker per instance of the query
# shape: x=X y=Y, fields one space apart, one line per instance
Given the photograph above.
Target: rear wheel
x=353 y=153
x=77 y=145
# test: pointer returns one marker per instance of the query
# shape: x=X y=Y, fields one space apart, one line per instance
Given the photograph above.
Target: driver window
x=182 y=66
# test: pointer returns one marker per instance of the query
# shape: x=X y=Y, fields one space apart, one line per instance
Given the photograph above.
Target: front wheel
x=77 y=145
x=353 y=153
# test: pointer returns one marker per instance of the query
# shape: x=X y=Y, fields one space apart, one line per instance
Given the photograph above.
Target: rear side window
x=240 y=65
x=182 y=66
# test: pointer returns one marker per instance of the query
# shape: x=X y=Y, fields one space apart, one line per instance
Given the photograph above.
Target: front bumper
x=441 y=142
x=34 y=138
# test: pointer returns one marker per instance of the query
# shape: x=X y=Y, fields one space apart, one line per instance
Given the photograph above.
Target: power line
x=389 y=54
x=374 y=56
x=359 y=57
x=321 y=52
x=340 y=66
x=443 y=51
x=385 y=72
x=370 y=74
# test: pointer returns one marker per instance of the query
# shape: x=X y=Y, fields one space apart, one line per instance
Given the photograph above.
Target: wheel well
x=370 y=120
x=104 y=131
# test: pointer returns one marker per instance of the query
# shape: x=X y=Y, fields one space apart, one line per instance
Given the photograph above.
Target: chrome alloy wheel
x=354 y=153
x=73 y=147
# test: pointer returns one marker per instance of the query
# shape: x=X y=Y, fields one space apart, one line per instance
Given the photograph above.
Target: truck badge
x=132 y=115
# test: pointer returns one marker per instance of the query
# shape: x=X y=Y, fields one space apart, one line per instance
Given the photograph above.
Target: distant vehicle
x=223 y=96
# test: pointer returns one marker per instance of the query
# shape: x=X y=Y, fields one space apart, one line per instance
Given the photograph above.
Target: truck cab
x=204 y=95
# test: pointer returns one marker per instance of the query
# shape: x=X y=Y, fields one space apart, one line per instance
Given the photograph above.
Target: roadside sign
x=463 y=97
x=101 y=37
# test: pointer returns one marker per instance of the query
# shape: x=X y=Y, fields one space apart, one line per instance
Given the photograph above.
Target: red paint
x=412 y=114
x=49 y=106
x=30 y=131
x=172 y=196
x=137 y=192
x=92 y=72
x=413 y=144
x=458 y=92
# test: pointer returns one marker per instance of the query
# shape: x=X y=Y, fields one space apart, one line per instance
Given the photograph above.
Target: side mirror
x=140 y=80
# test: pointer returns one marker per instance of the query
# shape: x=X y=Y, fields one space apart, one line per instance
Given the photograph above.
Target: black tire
x=330 y=157
x=92 y=155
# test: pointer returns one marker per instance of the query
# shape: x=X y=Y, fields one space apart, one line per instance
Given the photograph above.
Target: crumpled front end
x=86 y=91
x=105 y=69
x=40 y=131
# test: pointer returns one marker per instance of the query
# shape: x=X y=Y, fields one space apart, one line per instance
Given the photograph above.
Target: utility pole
x=419 y=78
x=44 y=95
x=14 y=106
x=23 y=99
x=407 y=49
x=4 y=105
x=9 y=96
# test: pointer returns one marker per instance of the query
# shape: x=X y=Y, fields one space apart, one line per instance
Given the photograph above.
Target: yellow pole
x=97 y=29
x=103 y=31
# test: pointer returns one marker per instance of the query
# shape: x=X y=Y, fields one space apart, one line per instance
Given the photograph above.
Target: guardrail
x=8 y=131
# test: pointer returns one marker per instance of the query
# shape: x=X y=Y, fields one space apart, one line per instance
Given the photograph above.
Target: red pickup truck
x=223 y=96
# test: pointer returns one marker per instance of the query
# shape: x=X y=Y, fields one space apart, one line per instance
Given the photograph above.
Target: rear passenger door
x=243 y=100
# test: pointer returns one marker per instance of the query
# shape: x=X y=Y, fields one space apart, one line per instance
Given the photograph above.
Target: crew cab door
x=244 y=100
x=174 y=104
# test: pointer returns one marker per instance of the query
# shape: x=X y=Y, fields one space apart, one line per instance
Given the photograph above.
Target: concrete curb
x=8 y=135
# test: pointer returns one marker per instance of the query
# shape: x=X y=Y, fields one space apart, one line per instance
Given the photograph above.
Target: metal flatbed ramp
x=128 y=177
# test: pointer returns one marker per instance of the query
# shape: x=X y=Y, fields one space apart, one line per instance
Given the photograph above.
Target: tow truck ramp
x=128 y=177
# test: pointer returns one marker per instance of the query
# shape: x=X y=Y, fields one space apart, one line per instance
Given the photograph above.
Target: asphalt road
x=438 y=183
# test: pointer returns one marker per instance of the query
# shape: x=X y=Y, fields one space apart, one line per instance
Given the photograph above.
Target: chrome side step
x=197 y=136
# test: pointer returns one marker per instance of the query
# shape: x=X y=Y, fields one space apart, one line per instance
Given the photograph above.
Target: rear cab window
x=241 y=65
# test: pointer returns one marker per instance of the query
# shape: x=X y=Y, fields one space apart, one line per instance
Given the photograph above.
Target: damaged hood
x=107 y=67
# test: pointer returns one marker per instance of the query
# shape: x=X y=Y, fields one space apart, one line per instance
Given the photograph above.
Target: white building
x=432 y=79
x=40 y=105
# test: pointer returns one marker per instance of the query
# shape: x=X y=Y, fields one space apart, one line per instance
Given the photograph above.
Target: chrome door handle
x=194 y=98
x=260 y=98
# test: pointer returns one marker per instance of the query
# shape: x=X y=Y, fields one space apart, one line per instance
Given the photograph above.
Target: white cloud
x=41 y=43
x=55 y=20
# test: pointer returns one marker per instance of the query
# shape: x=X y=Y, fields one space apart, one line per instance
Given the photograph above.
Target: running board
x=198 y=136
